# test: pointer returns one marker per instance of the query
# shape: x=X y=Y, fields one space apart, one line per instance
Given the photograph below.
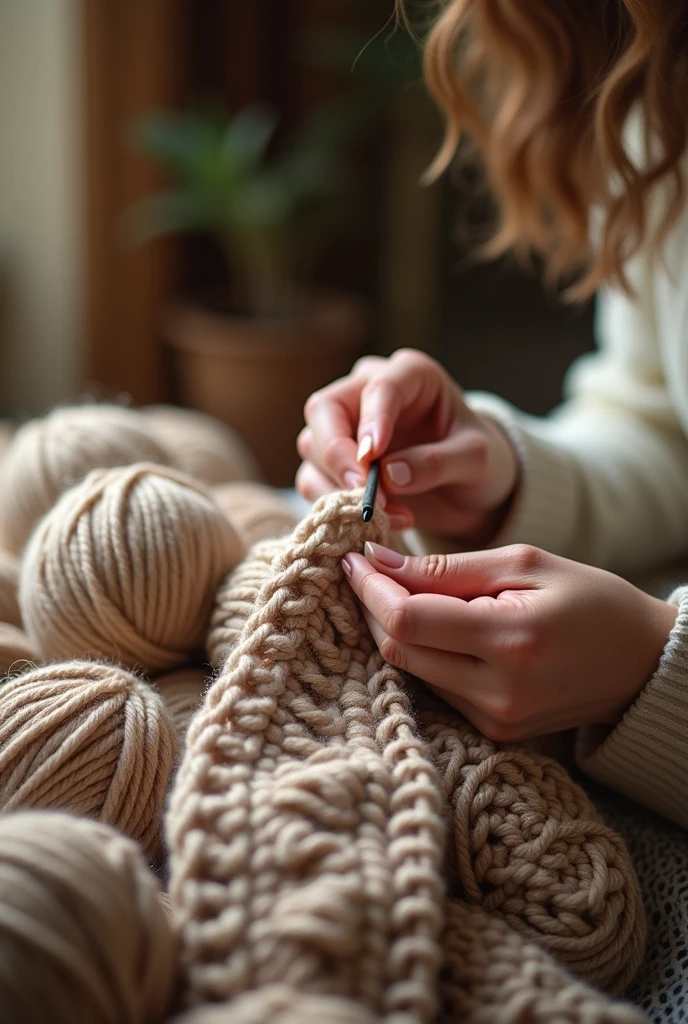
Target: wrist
x=656 y=623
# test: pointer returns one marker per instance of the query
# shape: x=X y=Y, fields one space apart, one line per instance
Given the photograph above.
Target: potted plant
x=253 y=354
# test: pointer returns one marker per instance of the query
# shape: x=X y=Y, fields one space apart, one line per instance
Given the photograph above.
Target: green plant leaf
x=249 y=133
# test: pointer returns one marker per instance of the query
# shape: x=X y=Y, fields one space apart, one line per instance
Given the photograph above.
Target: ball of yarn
x=280 y=1004
x=88 y=738
x=202 y=446
x=83 y=936
x=258 y=512
x=16 y=652
x=529 y=846
x=182 y=693
x=9 y=589
x=49 y=455
x=125 y=567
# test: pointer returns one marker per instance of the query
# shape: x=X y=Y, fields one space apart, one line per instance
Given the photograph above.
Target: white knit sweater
x=605 y=481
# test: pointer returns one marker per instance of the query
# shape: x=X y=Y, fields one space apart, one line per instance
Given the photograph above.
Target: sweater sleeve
x=646 y=755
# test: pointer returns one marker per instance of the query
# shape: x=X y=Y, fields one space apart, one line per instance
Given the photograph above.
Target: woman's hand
x=443 y=468
x=522 y=642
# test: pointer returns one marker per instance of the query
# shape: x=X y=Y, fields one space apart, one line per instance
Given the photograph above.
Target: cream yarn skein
x=201 y=446
x=125 y=567
x=16 y=653
x=49 y=455
x=84 y=938
x=91 y=739
x=9 y=589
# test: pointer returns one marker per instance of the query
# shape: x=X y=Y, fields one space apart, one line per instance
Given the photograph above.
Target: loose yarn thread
x=16 y=652
x=9 y=589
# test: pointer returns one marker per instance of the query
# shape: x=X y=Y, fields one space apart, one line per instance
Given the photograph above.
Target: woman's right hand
x=444 y=468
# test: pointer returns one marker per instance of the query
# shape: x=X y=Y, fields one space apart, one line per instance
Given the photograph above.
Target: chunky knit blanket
x=338 y=854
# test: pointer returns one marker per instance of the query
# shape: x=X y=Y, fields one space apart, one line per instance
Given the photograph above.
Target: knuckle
x=434 y=567
x=304 y=482
x=303 y=443
x=399 y=623
x=526 y=557
x=477 y=446
x=413 y=359
x=366 y=365
x=393 y=653
x=313 y=403
x=434 y=465
x=520 y=649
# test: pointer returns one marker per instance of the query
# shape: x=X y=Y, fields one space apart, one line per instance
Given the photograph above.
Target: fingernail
x=346 y=566
x=365 y=447
x=382 y=555
x=352 y=480
x=399 y=473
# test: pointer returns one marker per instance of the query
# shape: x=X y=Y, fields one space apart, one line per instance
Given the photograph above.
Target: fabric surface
x=659 y=851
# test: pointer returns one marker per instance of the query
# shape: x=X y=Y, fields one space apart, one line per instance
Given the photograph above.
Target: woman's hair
x=545 y=89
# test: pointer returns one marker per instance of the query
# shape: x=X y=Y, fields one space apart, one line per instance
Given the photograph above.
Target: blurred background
x=217 y=203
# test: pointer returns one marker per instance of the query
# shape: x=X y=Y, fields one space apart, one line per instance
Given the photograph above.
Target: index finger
x=424 y=620
x=332 y=415
x=408 y=381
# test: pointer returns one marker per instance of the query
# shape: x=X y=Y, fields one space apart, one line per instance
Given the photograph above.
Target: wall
x=40 y=203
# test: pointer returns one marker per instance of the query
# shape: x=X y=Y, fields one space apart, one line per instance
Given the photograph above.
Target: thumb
x=467 y=575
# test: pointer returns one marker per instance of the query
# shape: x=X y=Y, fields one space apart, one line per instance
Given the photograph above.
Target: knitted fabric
x=307 y=827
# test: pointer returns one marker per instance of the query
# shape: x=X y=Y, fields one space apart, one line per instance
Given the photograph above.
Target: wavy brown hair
x=545 y=89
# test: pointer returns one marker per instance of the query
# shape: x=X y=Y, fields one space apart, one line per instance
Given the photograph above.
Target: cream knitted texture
x=306 y=828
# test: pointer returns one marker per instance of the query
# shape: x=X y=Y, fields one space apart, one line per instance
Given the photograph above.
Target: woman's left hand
x=522 y=642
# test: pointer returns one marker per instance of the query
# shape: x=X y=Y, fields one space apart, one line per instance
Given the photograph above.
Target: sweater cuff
x=544 y=508
x=645 y=756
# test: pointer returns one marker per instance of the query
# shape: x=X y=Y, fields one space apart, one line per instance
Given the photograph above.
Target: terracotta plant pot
x=255 y=375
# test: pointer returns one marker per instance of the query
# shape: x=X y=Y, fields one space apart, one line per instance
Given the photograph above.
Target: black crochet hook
x=370 y=492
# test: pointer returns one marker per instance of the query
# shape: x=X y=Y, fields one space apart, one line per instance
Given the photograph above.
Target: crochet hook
x=370 y=492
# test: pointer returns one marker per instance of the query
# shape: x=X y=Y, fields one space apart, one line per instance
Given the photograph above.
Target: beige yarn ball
x=49 y=455
x=16 y=653
x=9 y=587
x=83 y=936
x=202 y=446
x=88 y=738
x=182 y=692
x=125 y=567
x=258 y=512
